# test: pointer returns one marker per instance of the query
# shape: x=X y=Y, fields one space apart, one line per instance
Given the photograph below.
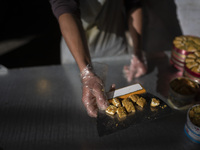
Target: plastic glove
x=93 y=96
x=136 y=68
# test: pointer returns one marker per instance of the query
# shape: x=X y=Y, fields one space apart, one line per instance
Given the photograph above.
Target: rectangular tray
x=107 y=124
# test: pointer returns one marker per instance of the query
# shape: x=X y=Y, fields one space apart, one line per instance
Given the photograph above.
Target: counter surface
x=41 y=108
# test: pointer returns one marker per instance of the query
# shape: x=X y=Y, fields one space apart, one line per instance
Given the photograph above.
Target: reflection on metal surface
x=43 y=86
x=41 y=107
x=3 y=70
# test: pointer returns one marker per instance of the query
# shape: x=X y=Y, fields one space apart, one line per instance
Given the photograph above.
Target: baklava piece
x=111 y=110
x=198 y=60
x=191 y=64
x=121 y=112
x=192 y=48
x=134 y=98
x=197 y=53
x=155 y=102
x=141 y=102
x=128 y=105
x=191 y=56
x=115 y=102
x=188 y=60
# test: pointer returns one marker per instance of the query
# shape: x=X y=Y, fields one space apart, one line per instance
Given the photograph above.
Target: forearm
x=135 y=29
x=73 y=33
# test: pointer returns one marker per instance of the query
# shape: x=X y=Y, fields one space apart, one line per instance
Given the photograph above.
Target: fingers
x=89 y=102
x=92 y=109
x=135 y=70
x=140 y=72
x=129 y=73
x=99 y=93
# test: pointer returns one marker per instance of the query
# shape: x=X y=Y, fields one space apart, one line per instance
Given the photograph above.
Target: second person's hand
x=137 y=68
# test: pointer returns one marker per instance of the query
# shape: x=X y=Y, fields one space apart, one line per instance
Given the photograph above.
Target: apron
x=104 y=23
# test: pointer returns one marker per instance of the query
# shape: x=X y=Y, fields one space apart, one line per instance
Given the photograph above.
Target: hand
x=93 y=96
x=136 y=68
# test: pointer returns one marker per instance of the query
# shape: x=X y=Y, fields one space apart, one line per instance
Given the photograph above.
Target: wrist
x=86 y=71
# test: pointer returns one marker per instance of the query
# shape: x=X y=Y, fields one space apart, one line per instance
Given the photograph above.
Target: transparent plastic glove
x=137 y=68
x=93 y=96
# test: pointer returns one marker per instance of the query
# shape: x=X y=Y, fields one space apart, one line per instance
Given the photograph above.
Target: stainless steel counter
x=40 y=108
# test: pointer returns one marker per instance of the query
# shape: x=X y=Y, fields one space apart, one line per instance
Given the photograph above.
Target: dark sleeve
x=132 y=4
x=60 y=7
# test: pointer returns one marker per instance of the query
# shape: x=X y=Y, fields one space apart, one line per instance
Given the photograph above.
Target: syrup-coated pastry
x=111 y=110
x=191 y=64
x=188 y=60
x=198 y=60
x=115 y=102
x=121 y=112
x=128 y=105
x=141 y=102
x=134 y=98
x=191 y=56
x=196 y=69
x=197 y=53
x=191 y=48
x=155 y=102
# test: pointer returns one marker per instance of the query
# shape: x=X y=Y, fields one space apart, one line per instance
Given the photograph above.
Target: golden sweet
x=194 y=115
x=155 y=102
x=121 y=112
x=128 y=105
x=111 y=110
x=141 y=102
x=134 y=98
x=115 y=102
x=188 y=43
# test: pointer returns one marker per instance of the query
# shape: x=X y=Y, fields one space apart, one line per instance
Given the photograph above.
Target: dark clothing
x=72 y=6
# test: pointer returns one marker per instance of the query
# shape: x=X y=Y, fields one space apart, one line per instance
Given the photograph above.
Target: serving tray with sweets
x=108 y=123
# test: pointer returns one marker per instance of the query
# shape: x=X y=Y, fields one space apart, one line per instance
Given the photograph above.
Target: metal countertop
x=41 y=108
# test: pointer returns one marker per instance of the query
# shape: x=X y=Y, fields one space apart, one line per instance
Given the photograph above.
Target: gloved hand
x=93 y=94
x=137 y=68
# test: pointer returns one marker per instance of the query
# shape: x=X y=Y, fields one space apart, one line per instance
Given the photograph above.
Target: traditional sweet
x=184 y=86
x=184 y=46
x=115 y=102
x=141 y=102
x=111 y=110
x=128 y=105
x=121 y=112
x=155 y=102
x=134 y=98
x=188 y=43
x=192 y=66
x=194 y=115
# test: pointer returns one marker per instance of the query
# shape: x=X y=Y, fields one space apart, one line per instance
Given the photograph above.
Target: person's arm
x=135 y=30
x=137 y=65
x=93 y=94
x=73 y=33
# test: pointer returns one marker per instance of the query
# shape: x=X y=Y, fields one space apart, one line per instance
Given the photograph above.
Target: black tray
x=107 y=124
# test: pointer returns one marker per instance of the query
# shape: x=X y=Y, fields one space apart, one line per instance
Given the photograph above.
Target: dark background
x=22 y=18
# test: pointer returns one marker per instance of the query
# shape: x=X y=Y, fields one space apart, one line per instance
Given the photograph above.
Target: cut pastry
x=141 y=102
x=111 y=110
x=155 y=102
x=128 y=105
x=121 y=112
